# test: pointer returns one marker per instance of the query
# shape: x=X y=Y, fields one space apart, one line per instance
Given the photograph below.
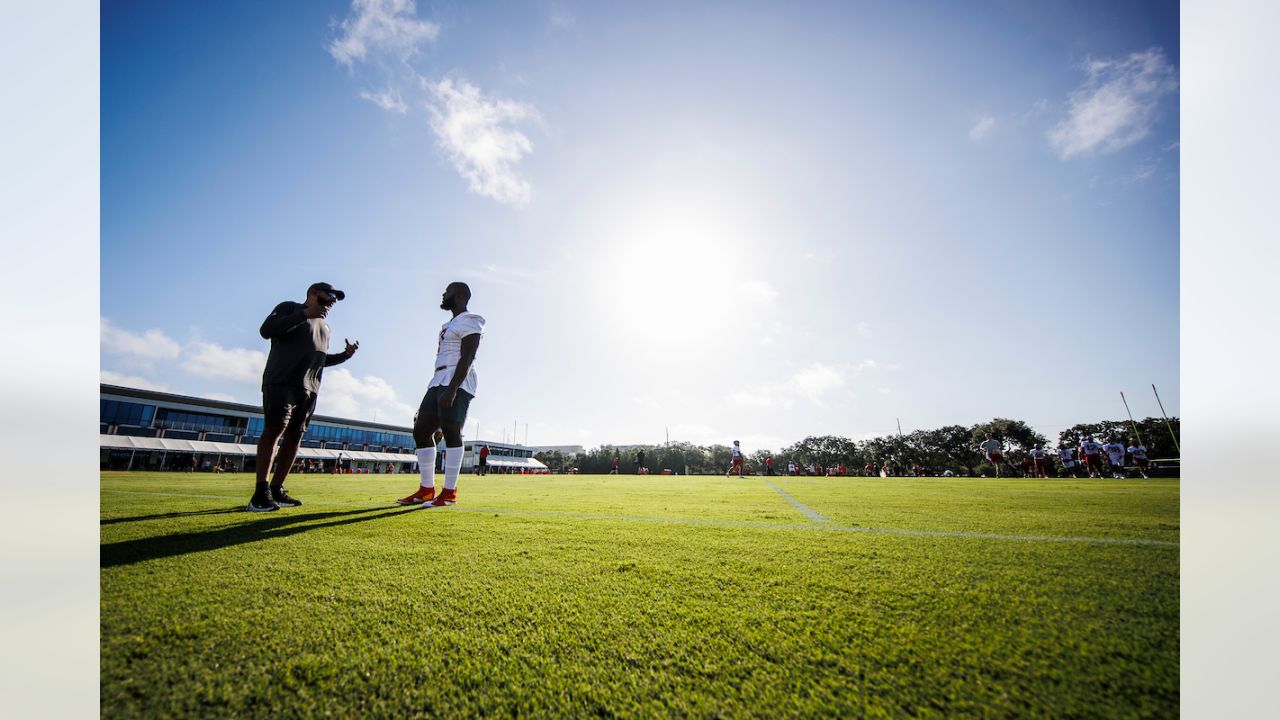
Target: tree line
x=952 y=447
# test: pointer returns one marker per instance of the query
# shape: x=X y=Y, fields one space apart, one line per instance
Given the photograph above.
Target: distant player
x=791 y=468
x=640 y=463
x=1091 y=453
x=994 y=450
x=1039 y=462
x=449 y=394
x=1115 y=455
x=735 y=461
x=482 y=465
x=768 y=465
x=613 y=467
x=1067 y=457
x=1139 y=454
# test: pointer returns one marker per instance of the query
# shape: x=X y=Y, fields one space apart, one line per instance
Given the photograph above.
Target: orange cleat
x=424 y=495
x=445 y=498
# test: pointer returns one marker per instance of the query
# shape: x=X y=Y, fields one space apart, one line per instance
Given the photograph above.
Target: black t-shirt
x=299 y=347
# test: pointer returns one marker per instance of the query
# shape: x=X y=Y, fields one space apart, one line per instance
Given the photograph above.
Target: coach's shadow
x=168 y=516
x=277 y=525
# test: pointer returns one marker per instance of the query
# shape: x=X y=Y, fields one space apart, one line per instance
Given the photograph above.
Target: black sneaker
x=284 y=499
x=262 y=501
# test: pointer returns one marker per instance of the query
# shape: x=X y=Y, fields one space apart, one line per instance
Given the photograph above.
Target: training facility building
x=150 y=430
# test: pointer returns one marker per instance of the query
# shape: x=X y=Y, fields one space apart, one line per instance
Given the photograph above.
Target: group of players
x=1090 y=455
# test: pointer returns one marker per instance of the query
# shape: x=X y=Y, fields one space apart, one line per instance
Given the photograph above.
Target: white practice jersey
x=1089 y=447
x=1037 y=453
x=449 y=351
x=990 y=446
x=1115 y=452
x=737 y=452
x=1065 y=455
x=1138 y=452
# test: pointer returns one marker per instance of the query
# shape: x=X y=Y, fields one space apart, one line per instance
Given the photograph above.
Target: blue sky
x=752 y=221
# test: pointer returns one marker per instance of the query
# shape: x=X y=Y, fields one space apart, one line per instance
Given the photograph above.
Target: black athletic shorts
x=431 y=405
x=288 y=406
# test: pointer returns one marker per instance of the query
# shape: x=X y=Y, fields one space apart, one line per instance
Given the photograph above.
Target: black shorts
x=431 y=405
x=288 y=406
x=483 y=461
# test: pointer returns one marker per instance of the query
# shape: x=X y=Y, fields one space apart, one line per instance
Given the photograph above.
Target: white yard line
x=826 y=525
x=809 y=512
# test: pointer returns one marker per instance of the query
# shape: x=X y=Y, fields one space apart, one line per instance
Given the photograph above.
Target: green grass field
x=596 y=596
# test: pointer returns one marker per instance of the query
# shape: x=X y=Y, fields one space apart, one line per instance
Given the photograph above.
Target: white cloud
x=381 y=26
x=388 y=100
x=502 y=275
x=885 y=391
x=362 y=398
x=152 y=344
x=864 y=330
x=759 y=291
x=1145 y=170
x=645 y=401
x=220 y=396
x=1115 y=106
x=114 y=378
x=816 y=383
x=479 y=135
x=982 y=128
x=211 y=360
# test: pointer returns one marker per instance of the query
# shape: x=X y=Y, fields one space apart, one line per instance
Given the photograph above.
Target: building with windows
x=150 y=430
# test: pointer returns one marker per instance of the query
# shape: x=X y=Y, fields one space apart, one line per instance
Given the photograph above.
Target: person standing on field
x=994 y=450
x=299 y=354
x=735 y=461
x=444 y=407
x=482 y=467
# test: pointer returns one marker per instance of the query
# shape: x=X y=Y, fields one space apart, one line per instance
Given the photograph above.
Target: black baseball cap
x=336 y=293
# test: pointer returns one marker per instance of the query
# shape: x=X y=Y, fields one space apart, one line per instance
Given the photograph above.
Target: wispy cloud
x=388 y=100
x=562 y=18
x=982 y=128
x=502 y=275
x=152 y=344
x=211 y=360
x=381 y=26
x=478 y=132
x=817 y=383
x=480 y=136
x=1116 y=105
x=134 y=381
x=760 y=291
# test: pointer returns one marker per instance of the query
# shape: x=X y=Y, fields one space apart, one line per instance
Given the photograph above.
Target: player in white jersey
x=1115 y=455
x=994 y=450
x=1039 y=462
x=449 y=394
x=1139 y=454
x=1067 y=457
x=1091 y=453
x=736 y=462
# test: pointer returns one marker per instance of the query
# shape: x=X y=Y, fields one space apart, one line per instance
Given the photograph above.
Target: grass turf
x=639 y=597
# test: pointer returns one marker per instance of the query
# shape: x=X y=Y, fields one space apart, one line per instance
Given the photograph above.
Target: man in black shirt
x=299 y=354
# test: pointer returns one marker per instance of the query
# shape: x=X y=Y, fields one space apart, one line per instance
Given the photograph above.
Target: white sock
x=427 y=466
x=452 y=466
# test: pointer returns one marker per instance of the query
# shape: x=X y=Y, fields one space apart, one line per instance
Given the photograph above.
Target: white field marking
x=809 y=512
x=715 y=523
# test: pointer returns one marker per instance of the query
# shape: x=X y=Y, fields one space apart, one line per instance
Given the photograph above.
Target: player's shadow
x=128 y=552
x=165 y=516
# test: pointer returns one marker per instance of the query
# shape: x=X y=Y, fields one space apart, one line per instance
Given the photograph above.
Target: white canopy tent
x=204 y=447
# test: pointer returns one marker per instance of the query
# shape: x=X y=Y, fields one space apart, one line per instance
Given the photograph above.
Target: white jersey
x=1138 y=452
x=991 y=446
x=449 y=351
x=1037 y=453
x=1089 y=447
x=1066 y=456
x=737 y=452
x=1115 y=453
